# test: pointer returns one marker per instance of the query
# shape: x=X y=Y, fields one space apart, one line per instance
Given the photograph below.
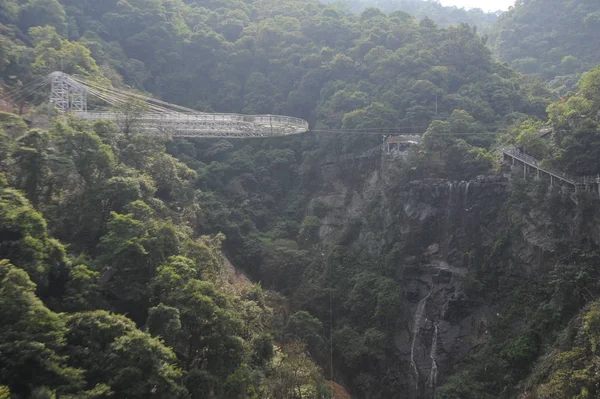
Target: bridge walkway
x=533 y=165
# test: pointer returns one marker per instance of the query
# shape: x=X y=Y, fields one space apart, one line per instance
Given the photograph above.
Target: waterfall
x=415 y=334
x=445 y=239
x=466 y=199
x=434 y=370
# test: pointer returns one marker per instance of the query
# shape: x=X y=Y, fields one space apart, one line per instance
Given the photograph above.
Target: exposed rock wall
x=445 y=224
x=460 y=250
x=439 y=229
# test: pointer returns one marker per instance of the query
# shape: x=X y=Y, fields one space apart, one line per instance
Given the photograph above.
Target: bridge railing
x=589 y=179
x=514 y=152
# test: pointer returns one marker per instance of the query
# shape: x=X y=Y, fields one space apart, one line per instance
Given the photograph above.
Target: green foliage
x=13 y=125
x=25 y=240
x=442 y=15
x=33 y=164
x=570 y=143
x=462 y=386
x=448 y=151
x=521 y=352
x=262 y=349
x=294 y=374
x=43 y=12
x=309 y=230
x=81 y=291
x=576 y=127
x=302 y=327
x=164 y=321
x=129 y=114
x=142 y=218
x=31 y=338
x=115 y=353
x=51 y=52
x=526 y=135
x=141 y=365
x=123 y=251
x=550 y=38
x=9 y=12
x=135 y=214
x=376 y=115
x=571 y=371
x=366 y=64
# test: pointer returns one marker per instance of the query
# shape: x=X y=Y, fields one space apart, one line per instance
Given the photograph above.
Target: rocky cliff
x=449 y=240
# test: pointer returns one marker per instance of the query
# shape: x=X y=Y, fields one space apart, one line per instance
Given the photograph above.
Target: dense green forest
x=555 y=39
x=115 y=278
x=442 y=15
x=298 y=58
x=137 y=304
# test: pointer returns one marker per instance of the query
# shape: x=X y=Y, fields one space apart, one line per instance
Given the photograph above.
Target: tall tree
x=31 y=339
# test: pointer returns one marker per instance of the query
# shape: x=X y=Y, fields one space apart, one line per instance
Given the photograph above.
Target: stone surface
x=440 y=228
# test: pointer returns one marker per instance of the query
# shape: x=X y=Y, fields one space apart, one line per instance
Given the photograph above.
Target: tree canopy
x=116 y=247
x=554 y=39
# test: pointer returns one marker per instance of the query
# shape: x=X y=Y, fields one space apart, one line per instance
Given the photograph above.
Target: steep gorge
x=401 y=278
x=472 y=259
x=431 y=227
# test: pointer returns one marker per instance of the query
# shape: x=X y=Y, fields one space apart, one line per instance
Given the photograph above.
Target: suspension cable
x=26 y=90
x=131 y=94
x=113 y=96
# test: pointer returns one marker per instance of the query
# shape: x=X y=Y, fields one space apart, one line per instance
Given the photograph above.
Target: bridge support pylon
x=66 y=95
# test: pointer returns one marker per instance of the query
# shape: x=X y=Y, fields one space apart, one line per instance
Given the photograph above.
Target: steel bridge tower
x=67 y=95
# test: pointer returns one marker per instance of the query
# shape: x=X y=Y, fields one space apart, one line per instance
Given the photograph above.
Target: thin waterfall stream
x=445 y=242
x=434 y=370
x=415 y=335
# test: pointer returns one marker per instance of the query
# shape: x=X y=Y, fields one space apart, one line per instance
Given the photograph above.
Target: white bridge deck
x=178 y=124
x=69 y=94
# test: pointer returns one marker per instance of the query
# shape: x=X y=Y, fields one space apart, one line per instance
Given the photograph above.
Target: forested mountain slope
x=502 y=268
x=112 y=281
x=556 y=39
x=300 y=58
x=132 y=302
x=442 y=15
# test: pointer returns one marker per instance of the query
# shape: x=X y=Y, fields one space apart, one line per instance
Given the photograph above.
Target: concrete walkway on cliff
x=557 y=177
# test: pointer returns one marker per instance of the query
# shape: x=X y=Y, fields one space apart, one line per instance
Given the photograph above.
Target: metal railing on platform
x=559 y=174
x=526 y=158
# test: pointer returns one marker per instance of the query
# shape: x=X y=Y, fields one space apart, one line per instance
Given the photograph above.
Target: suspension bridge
x=69 y=95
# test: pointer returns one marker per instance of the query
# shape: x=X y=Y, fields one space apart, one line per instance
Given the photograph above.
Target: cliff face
x=433 y=227
x=447 y=224
x=440 y=235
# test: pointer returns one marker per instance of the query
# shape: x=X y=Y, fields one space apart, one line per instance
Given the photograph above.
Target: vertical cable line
x=331 y=324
